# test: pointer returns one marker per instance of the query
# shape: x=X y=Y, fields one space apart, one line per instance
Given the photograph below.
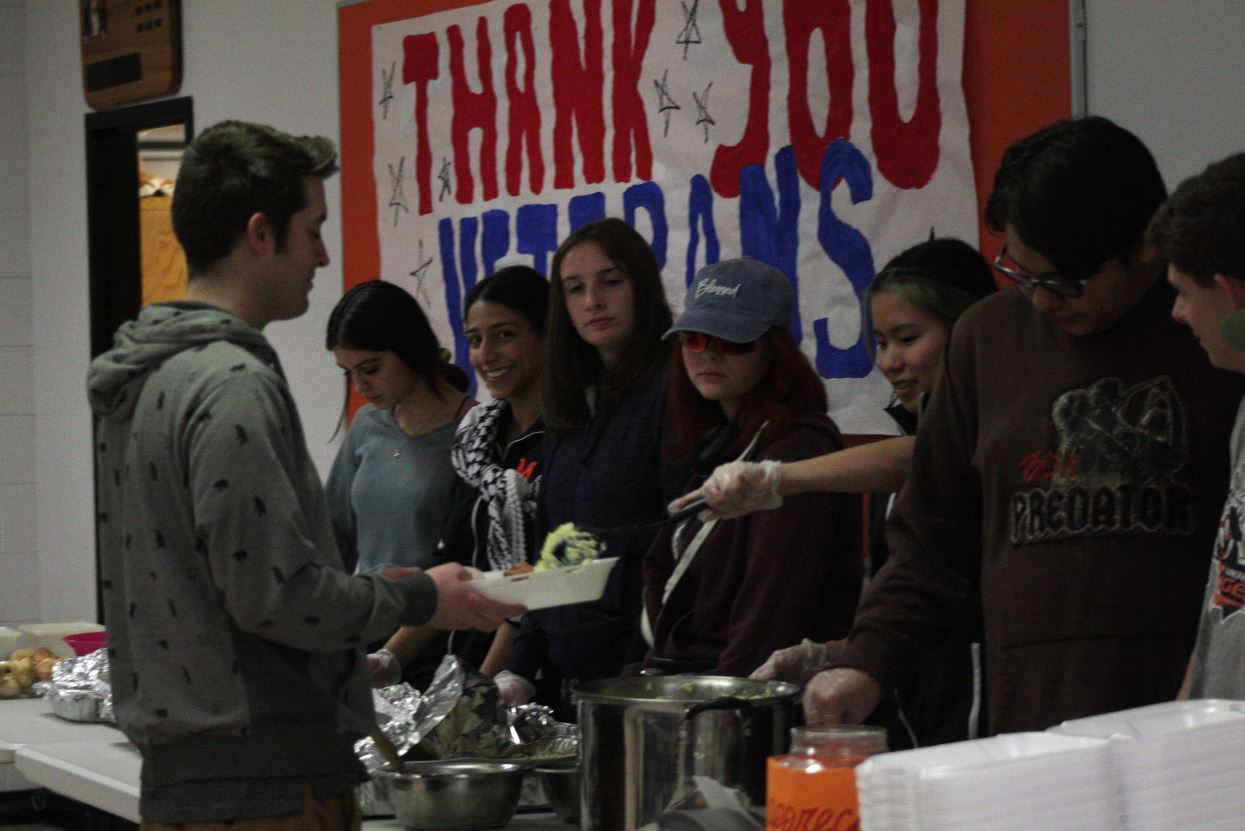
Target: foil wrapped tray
x=80 y=705
x=459 y=716
x=80 y=689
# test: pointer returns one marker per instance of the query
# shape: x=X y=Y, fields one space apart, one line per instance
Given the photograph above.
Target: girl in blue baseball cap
x=721 y=595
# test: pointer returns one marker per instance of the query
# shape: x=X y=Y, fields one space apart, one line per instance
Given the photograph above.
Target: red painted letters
x=907 y=151
x=630 y=120
x=419 y=66
x=472 y=111
x=578 y=84
x=524 y=126
x=833 y=18
x=746 y=32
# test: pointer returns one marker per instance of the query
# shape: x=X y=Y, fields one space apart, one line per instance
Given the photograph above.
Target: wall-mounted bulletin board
x=131 y=51
x=822 y=136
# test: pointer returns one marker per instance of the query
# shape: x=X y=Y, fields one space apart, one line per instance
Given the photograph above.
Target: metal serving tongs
x=687 y=511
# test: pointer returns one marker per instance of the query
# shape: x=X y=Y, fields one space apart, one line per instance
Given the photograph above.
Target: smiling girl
x=913 y=303
x=497 y=449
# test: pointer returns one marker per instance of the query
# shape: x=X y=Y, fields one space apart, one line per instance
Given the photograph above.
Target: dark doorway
x=114 y=236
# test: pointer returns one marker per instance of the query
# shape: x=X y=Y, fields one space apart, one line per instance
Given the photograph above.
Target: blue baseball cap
x=736 y=300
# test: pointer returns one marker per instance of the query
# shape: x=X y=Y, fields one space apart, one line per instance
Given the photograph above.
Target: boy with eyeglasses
x=1200 y=231
x=1067 y=469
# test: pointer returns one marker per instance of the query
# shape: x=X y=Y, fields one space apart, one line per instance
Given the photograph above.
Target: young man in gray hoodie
x=235 y=637
x=1200 y=231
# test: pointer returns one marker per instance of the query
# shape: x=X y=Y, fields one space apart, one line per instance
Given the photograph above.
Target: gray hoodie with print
x=235 y=637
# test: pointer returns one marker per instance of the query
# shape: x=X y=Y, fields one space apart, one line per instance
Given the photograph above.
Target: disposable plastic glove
x=513 y=690
x=841 y=696
x=383 y=668
x=794 y=664
x=738 y=488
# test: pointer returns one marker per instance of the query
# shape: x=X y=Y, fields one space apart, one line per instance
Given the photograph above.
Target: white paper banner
x=822 y=136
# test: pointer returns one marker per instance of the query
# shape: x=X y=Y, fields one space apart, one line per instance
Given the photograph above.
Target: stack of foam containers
x=1179 y=764
x=1015 y=781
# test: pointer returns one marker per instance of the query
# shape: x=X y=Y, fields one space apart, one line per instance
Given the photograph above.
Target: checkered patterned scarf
x=476 y=457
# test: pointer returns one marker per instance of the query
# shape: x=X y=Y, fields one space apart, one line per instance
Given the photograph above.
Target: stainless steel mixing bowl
x=561 y=786
x=455 y=794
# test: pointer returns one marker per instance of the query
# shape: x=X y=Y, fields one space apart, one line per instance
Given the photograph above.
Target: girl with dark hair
x=603 y=405
x=913 y=303
x=497 y=448
x=722 y=595
x=606 y=321
x=392 y=486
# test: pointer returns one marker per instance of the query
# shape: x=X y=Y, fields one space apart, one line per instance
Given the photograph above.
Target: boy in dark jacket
x=1067 y=472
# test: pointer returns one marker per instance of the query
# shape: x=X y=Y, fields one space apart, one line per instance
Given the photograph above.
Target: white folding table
x=30 y=721
x=94 y=764
x=103 y=775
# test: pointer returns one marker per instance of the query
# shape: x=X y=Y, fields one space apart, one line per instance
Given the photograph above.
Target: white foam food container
x=51 y=635
x=1175 y=761
x=1154 y=721
x=991 y=783
x=562 y=586
x=972 y=756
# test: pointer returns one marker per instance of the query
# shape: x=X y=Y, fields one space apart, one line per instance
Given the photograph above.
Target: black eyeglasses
x=1052 y=281
x=699 y=342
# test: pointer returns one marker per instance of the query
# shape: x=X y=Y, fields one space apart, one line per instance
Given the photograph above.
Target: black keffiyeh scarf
x=510 y=497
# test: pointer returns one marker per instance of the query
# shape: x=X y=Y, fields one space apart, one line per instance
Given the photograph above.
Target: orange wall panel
x=1017 y=79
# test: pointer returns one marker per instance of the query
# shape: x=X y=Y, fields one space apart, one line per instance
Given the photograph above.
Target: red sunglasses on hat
x=699 y=342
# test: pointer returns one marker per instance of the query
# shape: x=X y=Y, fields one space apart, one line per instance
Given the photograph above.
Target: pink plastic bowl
x=87 y=642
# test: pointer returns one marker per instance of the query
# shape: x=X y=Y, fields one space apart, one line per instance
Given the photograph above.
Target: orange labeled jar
x=813 y=788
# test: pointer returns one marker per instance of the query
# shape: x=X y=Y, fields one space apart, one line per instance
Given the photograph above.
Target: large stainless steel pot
x=643 y=739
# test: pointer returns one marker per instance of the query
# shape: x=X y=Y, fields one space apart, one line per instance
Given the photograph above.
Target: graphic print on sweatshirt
x=1229 y=564
x=1114 y=471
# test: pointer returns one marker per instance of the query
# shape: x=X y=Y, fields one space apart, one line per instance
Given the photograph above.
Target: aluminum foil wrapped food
x=80 y=689
x=459 y=715
x=541 y=737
